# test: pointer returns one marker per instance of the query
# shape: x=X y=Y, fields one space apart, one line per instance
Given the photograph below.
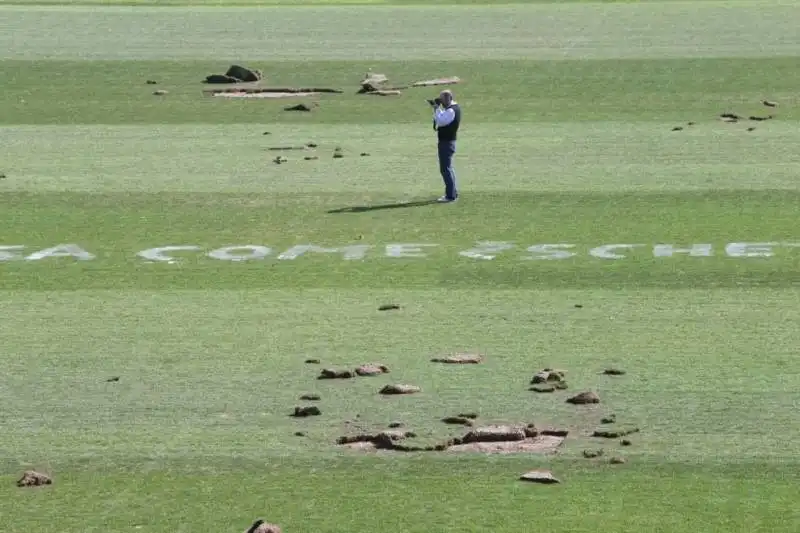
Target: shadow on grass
x=365 y=208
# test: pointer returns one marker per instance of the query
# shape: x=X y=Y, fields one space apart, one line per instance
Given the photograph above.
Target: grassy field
x=569 y=146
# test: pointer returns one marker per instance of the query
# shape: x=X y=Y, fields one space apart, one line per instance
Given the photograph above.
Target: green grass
x=569 y=110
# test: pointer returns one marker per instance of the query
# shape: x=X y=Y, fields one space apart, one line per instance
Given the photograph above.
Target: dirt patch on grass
x=331 y=373
x=488 y=439
x=372 y=369
x=31 y=478
x=540 y=476
x=584 y=398
x=254 y=94
x=399 y=389
x=459 y=359
x=542 y=444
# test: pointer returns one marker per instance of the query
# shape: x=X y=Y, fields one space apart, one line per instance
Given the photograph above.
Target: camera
x=435 y=101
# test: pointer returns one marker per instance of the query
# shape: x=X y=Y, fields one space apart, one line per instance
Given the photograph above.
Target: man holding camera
x=446 y=119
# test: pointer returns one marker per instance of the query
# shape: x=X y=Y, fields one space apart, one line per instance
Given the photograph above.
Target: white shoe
x=445 y=199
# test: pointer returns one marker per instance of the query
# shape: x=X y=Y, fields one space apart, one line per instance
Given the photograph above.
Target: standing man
x=446 y=118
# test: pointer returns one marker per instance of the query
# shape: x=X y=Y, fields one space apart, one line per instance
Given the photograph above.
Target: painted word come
x=482 y=250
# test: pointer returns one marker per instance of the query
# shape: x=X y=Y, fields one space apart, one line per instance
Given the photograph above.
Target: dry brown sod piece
x=372 y=369
x=31 y=478
x=539 y=476
x=459 y=359
x=584 y=398
x=399 y=388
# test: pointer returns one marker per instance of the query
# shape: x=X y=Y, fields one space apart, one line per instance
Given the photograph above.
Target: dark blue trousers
x=446 y=152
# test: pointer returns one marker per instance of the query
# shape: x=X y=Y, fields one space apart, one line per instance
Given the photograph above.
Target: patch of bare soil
x=399 y=389
x=539 y=476
x=31 y=478
x=496 y=434
x=372 y=369
x=489 y=439
x=259 y=526
x=459 y=359
x=260 y=95
x=542 y=444
x=584 y=398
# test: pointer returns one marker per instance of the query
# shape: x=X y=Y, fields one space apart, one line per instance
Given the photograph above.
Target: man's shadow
x=365 y=208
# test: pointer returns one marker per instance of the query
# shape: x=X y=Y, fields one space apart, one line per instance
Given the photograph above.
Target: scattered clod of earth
x=616 y=460
x=312 y=145
x=690 y=123
x=278 y=160
x=614 y=434
x=584 y=398
x=31 y=478
x=299 y=433
x=2 y=176
x=614 y=372
x=151 y=82
x=372 y=369
x=329 y=373
x=543 y=388
x=591 y=454
x=625 y=442
x=459 y=359
x=310 y=410
x=259 y=526
x=677 y=128
x=547 y=375
x=160 y=92
x=457 y=420
x=730 y=116
x=578 y=306
x=751 y=128
x=395 y=425
x=338 y=155
x=311 y=397
x=298 y=107
x=115 y=378
x=761 y=118
x=769 y=104
x=471 y=416
x=312 y=361
x=539 y=476
x=610 y=419
x=310 y=157
x=554 y=432
x=267 y=133
x=399 y=389
x=388 y=307
x=364 y=154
